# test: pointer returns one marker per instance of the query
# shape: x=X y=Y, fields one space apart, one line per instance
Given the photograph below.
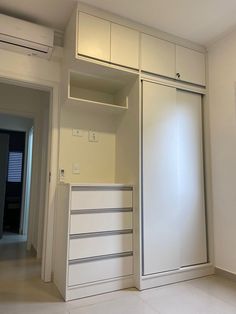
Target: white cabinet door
x=161 y=242
x=157 y=56
x=94 y=37
x=190 y=65
x=124 y=46
x=191 y=181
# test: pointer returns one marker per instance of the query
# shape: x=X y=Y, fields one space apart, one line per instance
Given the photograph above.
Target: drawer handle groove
x=99 y=234
x=99 y=258
x=101 y=211
x=101 y=188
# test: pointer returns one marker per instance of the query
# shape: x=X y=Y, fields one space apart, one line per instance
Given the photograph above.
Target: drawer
x=100 y=199
x=100 y=222
x=100 y=245
x=103 y=269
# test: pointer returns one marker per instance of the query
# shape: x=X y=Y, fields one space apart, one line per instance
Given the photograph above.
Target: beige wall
x=96 y=159
x=222 y=91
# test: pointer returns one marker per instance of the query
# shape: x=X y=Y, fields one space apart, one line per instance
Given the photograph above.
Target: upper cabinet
x=167 y=59
x=190 y=66
x=124 y=46
x=157 y=56
x=120 y=45
x=106 y=41
x=94 y=37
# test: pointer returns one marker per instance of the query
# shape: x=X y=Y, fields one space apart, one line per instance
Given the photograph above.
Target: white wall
x=33 y=103
x=222 y=91
x=15 y=123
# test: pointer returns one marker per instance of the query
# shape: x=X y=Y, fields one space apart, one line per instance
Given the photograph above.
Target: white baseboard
x=224 y=273
x=183 y=274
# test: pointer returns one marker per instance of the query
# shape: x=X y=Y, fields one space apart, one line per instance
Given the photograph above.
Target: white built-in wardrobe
x=173 y=203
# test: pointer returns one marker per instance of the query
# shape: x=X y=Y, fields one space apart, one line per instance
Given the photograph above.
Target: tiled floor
x=22 y=292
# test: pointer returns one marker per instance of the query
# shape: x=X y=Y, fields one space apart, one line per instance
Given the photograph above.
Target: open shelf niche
x=95 y=87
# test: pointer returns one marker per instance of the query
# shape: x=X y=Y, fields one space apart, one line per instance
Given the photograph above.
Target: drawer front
x=100 y=245
x=102 y=199
x=100 y=222
x=103 y=269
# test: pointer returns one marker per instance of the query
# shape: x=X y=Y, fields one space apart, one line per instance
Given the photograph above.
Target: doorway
x=25 y=182
x=14 y=164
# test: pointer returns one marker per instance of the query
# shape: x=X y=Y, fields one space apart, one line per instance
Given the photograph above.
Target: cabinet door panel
x=160 y=179
x=124 y=46
x=157 y=56
x=94 y=37
x=190 y=65
x=191 y=181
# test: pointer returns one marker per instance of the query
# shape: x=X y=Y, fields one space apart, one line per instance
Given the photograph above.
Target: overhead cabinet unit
x=167 y=59
x=107 y=41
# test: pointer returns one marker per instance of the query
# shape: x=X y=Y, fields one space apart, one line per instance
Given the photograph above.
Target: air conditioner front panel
x=25 y=30
x=23 y=46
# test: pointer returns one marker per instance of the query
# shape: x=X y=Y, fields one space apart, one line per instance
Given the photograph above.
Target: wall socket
x=77 y=132
x=62 y=175
x=92 y=136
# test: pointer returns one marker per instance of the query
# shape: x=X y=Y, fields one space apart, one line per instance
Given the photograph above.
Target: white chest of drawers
x=94 y=239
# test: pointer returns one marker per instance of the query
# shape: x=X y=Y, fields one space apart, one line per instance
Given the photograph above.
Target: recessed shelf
x=95 y=106
x=96 y=87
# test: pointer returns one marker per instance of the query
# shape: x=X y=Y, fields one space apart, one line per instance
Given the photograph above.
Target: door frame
x=52 y=160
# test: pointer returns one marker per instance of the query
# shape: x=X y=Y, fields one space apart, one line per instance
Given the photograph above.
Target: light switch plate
x=92 y=136
x=76 y=168
x=77 y=132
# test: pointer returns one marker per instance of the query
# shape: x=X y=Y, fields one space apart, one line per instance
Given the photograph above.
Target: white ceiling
x=201 y=21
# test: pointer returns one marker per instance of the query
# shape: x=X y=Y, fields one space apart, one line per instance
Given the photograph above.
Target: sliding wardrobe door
x=191 y=179
x=161 y=242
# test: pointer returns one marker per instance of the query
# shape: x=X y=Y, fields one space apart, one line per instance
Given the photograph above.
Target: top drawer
x=101 y=198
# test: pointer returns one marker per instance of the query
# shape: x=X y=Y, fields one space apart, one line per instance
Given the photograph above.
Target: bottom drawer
x=103 y=269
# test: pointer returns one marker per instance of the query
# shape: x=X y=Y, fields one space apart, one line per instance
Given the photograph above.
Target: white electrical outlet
x=92 y=136
x=62 y=175
x=77 y=132
x=76 y=168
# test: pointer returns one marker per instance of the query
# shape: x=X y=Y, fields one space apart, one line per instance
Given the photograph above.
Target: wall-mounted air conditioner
x=25 y=37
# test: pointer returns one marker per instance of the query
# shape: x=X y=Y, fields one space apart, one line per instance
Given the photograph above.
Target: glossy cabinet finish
x=190 y=64
x=157 y=56
x=98 y=270
x=174 y=223
x=100 y=245
x=124 y=46
x=100 y=199
x=161 y=238
x=100 y=222
x=94 y=37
